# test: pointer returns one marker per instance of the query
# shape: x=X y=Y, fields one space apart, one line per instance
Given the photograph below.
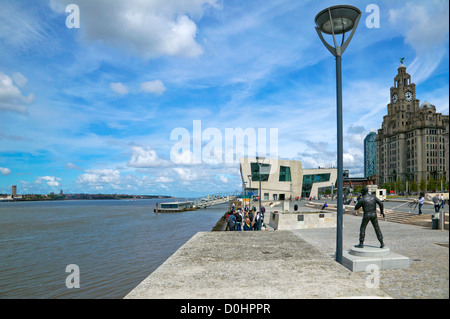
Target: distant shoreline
x=52 y=197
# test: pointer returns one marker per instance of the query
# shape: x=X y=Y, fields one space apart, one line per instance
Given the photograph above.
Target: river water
x=114 y=243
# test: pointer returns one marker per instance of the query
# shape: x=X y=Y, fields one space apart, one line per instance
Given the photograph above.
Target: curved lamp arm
x=338 y=50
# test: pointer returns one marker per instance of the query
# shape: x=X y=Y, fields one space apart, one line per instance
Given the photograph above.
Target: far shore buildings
x=285 y=179
x=412 y=143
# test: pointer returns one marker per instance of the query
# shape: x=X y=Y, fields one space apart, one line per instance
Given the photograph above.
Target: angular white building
x=284 y=179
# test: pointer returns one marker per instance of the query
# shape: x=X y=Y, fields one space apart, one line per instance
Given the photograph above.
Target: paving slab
x=427 y=277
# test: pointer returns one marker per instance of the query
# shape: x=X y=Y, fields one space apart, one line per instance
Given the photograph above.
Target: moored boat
x=175 y=207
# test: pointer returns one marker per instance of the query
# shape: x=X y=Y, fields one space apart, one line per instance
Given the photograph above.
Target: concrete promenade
x=428 y=275
x=298 y=264
x=251 y=265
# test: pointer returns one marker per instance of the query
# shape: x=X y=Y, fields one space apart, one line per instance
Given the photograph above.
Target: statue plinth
x=369 y=251
x=366 y=258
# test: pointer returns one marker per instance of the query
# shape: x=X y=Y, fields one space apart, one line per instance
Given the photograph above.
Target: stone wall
x=290 y=221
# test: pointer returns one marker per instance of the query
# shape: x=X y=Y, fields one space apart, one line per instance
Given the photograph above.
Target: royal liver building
x=412 y=143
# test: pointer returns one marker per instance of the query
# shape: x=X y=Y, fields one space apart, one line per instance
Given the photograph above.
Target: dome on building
x=426 y=105
x=402 y=66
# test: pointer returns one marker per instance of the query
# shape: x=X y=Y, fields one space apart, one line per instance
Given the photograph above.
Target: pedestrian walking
x=437 y=203
x=421 y=200
x=442 y=200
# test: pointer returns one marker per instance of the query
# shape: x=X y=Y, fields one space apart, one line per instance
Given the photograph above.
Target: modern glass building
x=284 y=179
x=370 y=154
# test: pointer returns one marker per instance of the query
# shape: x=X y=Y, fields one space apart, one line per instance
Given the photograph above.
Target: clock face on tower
x=408 y=96
x=395 y=98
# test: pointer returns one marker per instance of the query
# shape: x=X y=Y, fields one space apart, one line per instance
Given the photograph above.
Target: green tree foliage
x=423 y=185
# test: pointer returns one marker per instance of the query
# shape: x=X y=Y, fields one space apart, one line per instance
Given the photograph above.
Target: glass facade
x=255 y=171
x=285 y=174
x=370 y=155
x=309 y=180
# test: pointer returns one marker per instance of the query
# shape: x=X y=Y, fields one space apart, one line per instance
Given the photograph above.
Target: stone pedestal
x=357 y=259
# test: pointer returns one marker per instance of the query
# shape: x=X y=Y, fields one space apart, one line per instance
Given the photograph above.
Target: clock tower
x=411 y=142
x=403 y=93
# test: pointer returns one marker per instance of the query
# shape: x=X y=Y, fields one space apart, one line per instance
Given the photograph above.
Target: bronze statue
x=369 y=203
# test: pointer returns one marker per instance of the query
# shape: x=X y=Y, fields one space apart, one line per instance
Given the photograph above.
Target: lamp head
x=342 y=20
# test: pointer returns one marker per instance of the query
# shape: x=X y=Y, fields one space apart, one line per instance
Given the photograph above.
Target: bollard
x=435 y=221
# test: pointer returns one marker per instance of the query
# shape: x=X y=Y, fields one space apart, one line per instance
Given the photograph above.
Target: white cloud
x=119 y=88
x=100 y=176
x=148 y=28
x=144 y=158
x=425 y=28
x=11 y=98
x=186 y=174
x=185 y=157
x=223 y=178
x=156 y=87
x=5 y=171
x=51 y=180
x=163 y=179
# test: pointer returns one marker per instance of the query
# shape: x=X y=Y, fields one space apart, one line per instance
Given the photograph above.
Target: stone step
x=398 y=217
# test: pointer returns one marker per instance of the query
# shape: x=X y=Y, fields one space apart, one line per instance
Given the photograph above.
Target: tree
x=414 y=186
x=391 y=186
x=431 y=186
x=399 y=186
x=386 y=186
x=357 y=189
x=423 y=185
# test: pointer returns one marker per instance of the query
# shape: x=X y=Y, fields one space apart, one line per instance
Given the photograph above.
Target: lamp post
x=245 y=192
x=250 y=186
x=338 y=20
x=259 y=192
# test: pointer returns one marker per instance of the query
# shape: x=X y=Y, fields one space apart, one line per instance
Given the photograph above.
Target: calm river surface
x=115 y=243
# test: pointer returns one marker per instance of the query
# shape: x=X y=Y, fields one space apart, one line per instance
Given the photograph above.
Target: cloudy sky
x=139 y=99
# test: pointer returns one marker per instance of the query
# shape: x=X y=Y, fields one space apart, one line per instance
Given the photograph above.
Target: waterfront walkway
x=250 y=265
x=428 y=250
x=298 y=264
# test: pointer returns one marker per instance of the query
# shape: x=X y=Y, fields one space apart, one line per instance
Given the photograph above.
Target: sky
x=156 y=96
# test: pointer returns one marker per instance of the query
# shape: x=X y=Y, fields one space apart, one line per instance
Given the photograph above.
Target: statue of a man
x=369 y=203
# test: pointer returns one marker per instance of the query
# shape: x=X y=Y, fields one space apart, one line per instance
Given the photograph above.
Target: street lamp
x=338 y=20
x=332 y=191
x=259 y=193
x=251 y=192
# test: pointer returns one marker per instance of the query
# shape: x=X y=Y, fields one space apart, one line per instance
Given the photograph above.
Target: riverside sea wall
x=249 y=266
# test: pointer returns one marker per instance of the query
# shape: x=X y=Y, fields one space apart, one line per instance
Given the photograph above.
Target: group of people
x=245 y=220
x=438 y=201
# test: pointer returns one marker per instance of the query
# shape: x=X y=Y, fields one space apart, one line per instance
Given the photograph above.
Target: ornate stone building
x=411 y=144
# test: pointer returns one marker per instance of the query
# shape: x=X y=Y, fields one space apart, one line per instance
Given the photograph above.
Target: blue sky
x=92 y=109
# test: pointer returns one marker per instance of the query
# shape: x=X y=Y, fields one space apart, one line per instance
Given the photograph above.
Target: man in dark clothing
x=369 y=203
x=232 y=221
